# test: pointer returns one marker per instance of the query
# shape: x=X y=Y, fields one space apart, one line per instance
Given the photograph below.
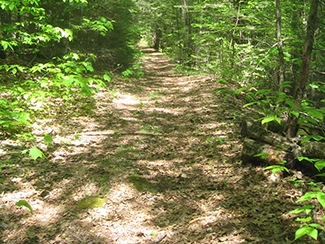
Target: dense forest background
x=58 y=52
x=260 y=45
x=246 y=42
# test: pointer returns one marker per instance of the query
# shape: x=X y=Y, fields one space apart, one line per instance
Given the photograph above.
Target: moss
x=91 y=202
x=302 y=132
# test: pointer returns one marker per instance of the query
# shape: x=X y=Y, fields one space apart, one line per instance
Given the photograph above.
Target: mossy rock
x=91 y=202
x=143 y=185
x=302 y=132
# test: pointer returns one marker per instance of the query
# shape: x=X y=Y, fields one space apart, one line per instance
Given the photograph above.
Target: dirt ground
x=162 y=155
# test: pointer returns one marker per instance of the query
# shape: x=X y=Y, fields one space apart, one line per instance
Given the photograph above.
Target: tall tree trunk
x=300 y=86
x=280 y=44
x=232 y=41
x=157 y=37
x=186 y=19
x=296 y=54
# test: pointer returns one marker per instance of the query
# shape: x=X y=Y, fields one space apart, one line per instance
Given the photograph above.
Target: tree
x=51 y=48
x=280 y=44
x=300 y=86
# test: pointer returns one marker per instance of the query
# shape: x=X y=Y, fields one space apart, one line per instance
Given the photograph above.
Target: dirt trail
x=164 y=152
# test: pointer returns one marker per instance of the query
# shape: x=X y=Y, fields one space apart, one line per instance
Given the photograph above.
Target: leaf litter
x=157 y=162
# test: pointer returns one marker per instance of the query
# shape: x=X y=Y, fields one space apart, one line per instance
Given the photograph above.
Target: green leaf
x=221 y=80
x=315 y=137
x=306 y=230
x=286 y=85
x=107 y=78
x=70 y=34
x=294 y=179
x=303 y=220
x=307 y=159
x=48 y=139
x=321 y=198
x=313 y=184
x=315 y=189
x=12 y=6
x=4 y=45
x=320 y=164
x=277 y=120
x=25 y=204
x=286 y=54
x=86 y=90
x=249 y=104
x=262 y=155
x=291 y=103
x=308 y=195
x=300 y=181
x=316 y=226
x=267 y=120
x=303 y=208
x=276 y=168
x=89 y=67
x=219 y=140
x=35 y=153
x=295 y=113
x=23 y=117
x=315 y=113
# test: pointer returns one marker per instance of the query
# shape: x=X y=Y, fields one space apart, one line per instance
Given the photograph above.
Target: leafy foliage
x=25 y=204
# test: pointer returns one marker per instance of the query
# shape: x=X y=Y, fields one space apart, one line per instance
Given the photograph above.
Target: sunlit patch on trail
x=126 y=100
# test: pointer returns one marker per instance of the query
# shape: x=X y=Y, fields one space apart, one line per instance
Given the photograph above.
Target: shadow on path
x=164 y=152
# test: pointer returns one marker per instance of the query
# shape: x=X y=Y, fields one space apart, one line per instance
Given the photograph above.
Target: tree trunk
x=280 y=45
x=156 y=38
x=232 y=41
x=300 y=86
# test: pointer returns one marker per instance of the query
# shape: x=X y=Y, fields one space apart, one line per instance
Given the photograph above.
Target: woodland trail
x=165 y=153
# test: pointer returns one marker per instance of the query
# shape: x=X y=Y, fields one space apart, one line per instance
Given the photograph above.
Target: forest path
x=163 y=149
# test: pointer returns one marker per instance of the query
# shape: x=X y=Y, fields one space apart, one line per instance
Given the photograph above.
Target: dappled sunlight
x=123 y=204
x=124 y=99
x=161 y=167
x=163 y=153
x=177 y=111
x=211 y=126
x=16 y=196
x=119 y=192
x=157 y=54
x=44 y=214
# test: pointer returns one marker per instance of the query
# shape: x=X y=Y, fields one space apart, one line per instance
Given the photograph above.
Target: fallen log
x=258 y=140
x=251 y=148
x=313 y=149
x=254 y=130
